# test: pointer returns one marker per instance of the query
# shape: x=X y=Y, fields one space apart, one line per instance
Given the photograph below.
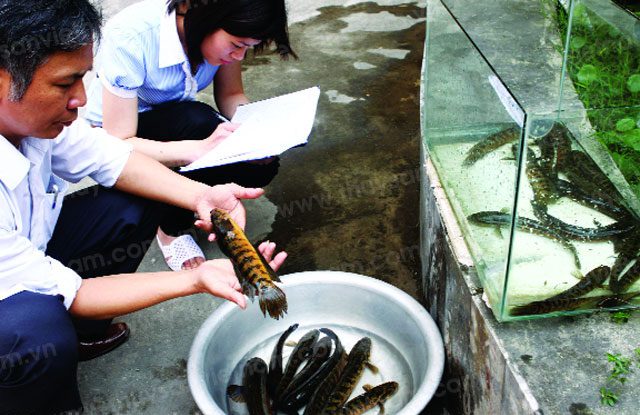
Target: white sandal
x=179 y=251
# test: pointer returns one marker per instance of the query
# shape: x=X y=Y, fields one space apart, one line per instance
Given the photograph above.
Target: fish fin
x=247 y=289
x=373 y=368
x=577 y=274
x=234 y=392
x=270 y=271
x=273 y=301
x=367 y=387
x=381 y=405
x=498 y=232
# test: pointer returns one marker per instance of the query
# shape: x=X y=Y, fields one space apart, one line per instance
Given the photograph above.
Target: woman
x=153 y=60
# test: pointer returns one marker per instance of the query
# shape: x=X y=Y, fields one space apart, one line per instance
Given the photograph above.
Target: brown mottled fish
x=374 y=396
x=526 y=224
x=326 y=387
x=585 y=173
x=491 y=143
x=542 y=181
x=356 y=362
x=626 y=280
x=559 y=304
x=254 y=273
x=594 y=279
x=554 y=147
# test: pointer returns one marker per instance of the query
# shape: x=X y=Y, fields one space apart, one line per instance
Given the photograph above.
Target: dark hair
x=32 y=30
x=264 y=20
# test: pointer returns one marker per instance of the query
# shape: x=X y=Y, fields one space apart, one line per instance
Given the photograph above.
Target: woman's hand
x=197 y=148
x=218 y=278
x=227 y=197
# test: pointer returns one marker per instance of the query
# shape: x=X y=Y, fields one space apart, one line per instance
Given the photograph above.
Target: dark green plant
x=620 y=317
x=621 y=367
x=608 y=397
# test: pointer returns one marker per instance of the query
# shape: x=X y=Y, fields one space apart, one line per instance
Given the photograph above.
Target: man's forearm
x=108 y=297
x=148 y=178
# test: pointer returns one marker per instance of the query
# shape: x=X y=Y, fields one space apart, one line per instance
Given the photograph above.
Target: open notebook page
x=267 y=128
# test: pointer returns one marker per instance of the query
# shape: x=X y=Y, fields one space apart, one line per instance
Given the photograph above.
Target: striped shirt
x=141 y=56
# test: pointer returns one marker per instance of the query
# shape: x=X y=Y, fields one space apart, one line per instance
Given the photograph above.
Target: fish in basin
x=256 y=276
x=374 y=396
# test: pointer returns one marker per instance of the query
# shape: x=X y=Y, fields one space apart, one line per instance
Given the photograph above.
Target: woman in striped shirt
x=154 y=57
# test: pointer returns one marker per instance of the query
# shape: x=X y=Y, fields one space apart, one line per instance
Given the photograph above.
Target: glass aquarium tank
x=531 y=117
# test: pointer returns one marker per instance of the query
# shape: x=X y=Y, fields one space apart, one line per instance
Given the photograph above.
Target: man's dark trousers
x=100 y=232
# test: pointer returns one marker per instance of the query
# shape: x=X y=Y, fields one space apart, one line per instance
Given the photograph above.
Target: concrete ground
x=346 y=201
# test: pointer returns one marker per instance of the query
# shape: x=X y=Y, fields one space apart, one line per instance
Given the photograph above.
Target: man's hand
x=227 y=197
x=217 y=276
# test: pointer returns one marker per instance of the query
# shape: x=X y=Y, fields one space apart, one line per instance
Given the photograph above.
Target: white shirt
x=30 y=204
x=141 y=56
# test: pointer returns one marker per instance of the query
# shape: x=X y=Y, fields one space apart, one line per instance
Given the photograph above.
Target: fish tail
x=273 y=301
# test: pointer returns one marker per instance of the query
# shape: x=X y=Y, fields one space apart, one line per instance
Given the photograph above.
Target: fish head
x=221 y=221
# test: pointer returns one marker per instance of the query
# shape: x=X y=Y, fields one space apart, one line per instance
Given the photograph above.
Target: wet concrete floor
x=348 y=200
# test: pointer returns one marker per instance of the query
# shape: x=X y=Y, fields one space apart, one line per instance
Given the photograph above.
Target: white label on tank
x=507 y=100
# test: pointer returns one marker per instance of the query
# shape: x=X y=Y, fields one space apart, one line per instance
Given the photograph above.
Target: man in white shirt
x=48 y=49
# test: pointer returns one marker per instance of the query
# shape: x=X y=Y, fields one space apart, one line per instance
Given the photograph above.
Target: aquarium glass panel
x=471 y=122
x=531 y=113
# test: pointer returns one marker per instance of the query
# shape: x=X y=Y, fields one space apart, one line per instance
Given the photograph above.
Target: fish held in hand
x=255 y=275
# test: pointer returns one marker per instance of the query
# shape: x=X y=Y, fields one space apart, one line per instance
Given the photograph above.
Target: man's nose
x=78 y=98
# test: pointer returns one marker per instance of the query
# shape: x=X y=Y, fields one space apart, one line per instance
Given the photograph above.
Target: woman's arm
x=228 y=91
x=120 y=119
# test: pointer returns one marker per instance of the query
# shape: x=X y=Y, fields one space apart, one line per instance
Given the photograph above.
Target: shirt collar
x=14 y=166
x=171 y=52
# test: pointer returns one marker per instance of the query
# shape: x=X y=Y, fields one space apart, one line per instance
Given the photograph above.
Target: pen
x=222 y=117
x=56 y=190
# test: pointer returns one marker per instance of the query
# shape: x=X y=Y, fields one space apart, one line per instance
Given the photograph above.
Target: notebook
x=267 y=128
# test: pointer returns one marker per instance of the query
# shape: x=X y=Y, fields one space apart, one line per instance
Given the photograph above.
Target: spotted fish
x=254 y=273
x=356 y=362
x=374 y=396
x=491 y=143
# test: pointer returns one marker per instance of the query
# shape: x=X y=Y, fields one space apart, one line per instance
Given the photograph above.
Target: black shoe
x=116 y=334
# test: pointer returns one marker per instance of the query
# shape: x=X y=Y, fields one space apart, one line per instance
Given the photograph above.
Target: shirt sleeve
x=122 y=63
x=82 y=151
x=23 y=267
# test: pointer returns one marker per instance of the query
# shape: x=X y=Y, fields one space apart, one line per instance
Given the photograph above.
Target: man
x=43 y=301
